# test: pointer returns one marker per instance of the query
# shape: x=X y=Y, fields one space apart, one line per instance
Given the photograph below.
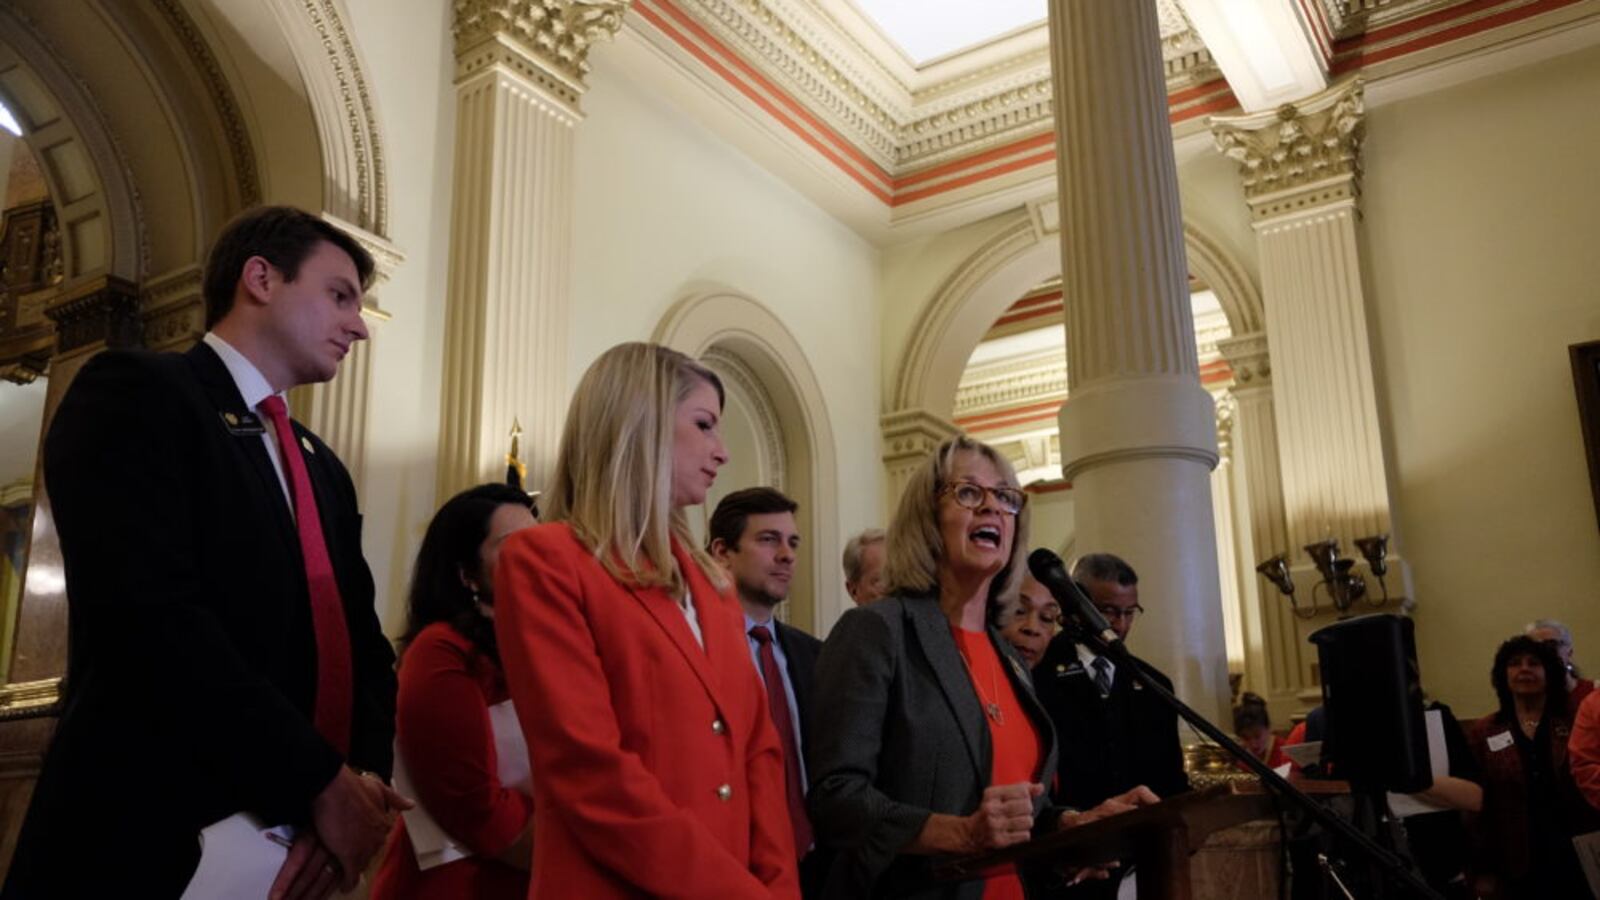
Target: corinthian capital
x=556 y=33
x=1297 y=144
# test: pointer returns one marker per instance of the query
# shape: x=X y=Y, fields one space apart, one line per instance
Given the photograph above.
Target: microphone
x=1049 y=571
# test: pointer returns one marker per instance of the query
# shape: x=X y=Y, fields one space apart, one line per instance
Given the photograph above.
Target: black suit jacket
x=191 y=660
x=897 y=734
x=800 y=650
x=1108 y=745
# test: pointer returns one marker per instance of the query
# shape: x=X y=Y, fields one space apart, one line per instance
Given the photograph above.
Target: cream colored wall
x=1483 y=207
x=664 y=209
x=405 y=44
x=1208 y=189
x=911 y=273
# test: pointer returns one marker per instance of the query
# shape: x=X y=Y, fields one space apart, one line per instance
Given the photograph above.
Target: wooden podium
x=1159 y=839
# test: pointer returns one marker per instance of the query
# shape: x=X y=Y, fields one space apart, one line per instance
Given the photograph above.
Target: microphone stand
x=1383 y=858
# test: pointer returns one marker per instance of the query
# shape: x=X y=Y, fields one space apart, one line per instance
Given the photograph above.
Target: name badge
x=1498 y=742
x=243 y=424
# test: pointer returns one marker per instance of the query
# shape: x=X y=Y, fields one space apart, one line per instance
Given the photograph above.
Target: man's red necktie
x=334 y=689
x=778 y=702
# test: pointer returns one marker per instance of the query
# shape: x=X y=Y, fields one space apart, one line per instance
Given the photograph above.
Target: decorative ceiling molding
x=892 y=148
x=234 y=130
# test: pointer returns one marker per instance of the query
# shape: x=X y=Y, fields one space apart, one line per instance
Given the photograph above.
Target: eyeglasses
x=1118 y=612
x=1049 y=615
x=970 y=495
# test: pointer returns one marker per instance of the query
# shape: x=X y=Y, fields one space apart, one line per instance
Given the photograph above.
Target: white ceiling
x=925 y=30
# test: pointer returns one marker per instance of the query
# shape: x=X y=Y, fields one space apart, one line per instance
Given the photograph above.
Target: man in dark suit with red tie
x=754 y=536
x=224 y=655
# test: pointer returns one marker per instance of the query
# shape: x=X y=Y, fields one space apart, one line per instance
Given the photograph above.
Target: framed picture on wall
x=1586 y=378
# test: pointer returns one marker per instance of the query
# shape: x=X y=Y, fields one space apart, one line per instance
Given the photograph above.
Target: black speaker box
x=1372 y=692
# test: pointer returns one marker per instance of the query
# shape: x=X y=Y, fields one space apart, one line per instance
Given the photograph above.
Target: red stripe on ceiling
x=1048 y=487
x=1049 y=405
x=1008 y=423
x=1023 y=163
x=1048 y=139
x=1319 y=29
x=798 y=109
x=1353 y=57
x=1224 y=102
x=1029 y=315
x=1034 y=300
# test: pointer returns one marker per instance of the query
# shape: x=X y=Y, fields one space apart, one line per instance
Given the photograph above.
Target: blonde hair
x=613 y=474
x=915 y=546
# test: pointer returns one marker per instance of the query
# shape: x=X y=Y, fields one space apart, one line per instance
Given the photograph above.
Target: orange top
x=1011 y=733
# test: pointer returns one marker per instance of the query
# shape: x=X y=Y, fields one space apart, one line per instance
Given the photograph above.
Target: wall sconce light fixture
x=1343 y=586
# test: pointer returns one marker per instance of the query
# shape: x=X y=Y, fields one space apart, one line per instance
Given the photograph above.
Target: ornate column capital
x=1248 y=356
x=1300 y=155
x=909 y=435
x=546 y=40
x=104 y=309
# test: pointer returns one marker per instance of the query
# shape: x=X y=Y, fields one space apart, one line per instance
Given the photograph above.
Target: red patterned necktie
x=778 y=702
x=332 y=715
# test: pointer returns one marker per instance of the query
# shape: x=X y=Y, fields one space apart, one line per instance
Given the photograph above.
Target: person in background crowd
x=1029 y=620
x=1253 y=727
x=224 y=655
x=1531 y=810
x=1583 y=751
x=450 y=678
x=927 y=738
x=863 y=566
x=1578 y=687
x=656 y=769
x=753 y=535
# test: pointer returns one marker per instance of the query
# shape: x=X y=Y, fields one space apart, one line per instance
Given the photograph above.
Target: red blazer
x=444 y=735
x=656 y=768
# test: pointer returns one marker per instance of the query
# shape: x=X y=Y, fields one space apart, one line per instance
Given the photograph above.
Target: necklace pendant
x=994 y=713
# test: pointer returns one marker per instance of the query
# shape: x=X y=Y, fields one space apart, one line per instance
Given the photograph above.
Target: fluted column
x=1138 y=438
x=520 y=71
x=1301 y=168
x=1276 y=657
x=908 y=437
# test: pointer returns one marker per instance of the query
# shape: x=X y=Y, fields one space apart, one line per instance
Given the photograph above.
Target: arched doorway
x=776 y=420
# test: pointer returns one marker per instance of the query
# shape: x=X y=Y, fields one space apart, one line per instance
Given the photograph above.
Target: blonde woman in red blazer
x=656 y=770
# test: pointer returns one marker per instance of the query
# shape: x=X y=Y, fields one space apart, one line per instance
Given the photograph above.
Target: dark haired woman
x=1253 y=726
x=476 y=838
x=1531 y=808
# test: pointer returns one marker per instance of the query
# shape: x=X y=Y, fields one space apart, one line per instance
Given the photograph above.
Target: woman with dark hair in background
x=1531 y=808
x=1253 y=726
x=450 y=678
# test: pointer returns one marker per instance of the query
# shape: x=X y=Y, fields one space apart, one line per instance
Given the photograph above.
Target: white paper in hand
x=239 y=859
x=432 y=845
x=1402 y=805
x=1588 y=847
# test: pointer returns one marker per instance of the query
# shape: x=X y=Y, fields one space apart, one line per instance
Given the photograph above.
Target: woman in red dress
x=656 y=768
x=450 y=678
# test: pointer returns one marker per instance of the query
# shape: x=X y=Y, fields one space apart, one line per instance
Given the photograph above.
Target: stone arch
x=1017 y=257
x=722 y=323
x=97 y=207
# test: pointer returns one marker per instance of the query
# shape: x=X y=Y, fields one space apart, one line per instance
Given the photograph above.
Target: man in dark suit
x=224 y=655
x=754 y=536
x=1114 y=734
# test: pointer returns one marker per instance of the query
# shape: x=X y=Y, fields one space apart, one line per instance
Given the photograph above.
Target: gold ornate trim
x=216 y=85
x=30 y=699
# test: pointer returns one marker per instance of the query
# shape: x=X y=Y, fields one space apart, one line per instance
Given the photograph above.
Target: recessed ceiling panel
x=929 y=29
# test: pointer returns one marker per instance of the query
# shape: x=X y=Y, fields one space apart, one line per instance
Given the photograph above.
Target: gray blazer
x=897 y=733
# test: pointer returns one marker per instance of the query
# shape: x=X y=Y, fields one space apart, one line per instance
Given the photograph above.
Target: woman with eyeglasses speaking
x=927 y=738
